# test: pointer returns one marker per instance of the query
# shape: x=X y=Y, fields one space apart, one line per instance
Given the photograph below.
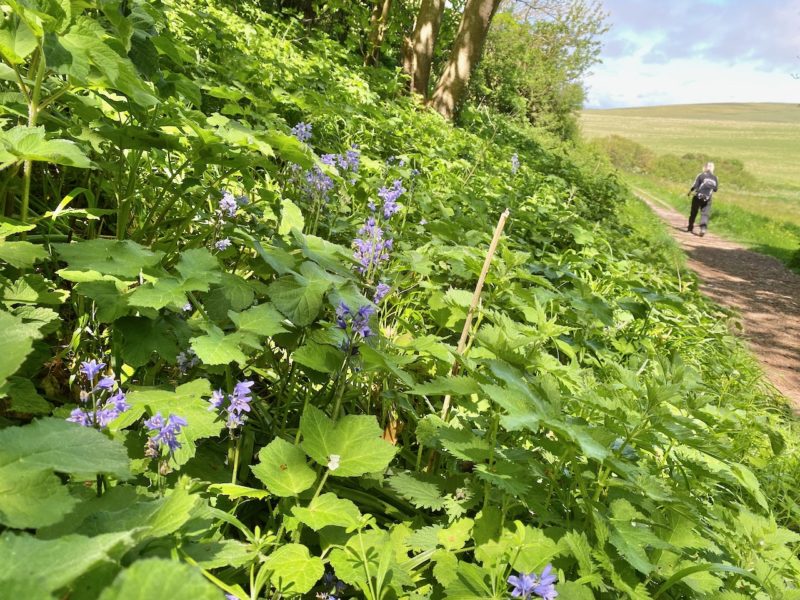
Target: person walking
x=705 y=184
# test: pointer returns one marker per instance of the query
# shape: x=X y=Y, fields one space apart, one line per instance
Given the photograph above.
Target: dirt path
x=764 y=292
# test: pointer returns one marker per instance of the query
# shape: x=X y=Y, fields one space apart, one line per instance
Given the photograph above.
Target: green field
x=764 y=137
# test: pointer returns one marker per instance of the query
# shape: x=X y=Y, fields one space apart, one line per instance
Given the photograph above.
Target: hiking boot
x=702 y=231
x=690 y=229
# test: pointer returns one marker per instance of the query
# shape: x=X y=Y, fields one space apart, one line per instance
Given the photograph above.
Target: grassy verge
x=757 y=231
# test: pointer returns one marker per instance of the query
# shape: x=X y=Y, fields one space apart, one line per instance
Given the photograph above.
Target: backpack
x=705 y=190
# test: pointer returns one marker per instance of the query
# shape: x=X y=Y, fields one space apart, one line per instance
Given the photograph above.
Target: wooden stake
x=476 y=297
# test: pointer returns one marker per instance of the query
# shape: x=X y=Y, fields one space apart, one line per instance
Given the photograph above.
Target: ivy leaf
x=283 y=469
x=23 y=143
x=160 y=578
x=355 y=439
x=294 y=570
x=326 y=510
x=21 y=255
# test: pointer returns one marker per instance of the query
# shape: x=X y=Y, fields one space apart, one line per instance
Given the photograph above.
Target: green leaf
x=53 y=564
x=300 y=297
x=571 y=590
x=234 y=491
x=355 y=439
x=237 y=291
x=283 y=469
x=199 y=269
x=319 y=357
x=422 y=493
x=17 y=42
x=21 y=254
x=167 y=291
x=291 y=217
x=29 y=143
x=24 y=397
x=294 y=570
x=143 y=337
x=216 y=348
x=263 y=320
x=187 y=401
x=110 y=302
x=441 y=386
x=160 y=578
x=109 y=257
x=326 y=510
x=16 y=343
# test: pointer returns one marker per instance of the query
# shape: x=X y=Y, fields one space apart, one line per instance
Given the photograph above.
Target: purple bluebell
x=238 y=403
x=317 y=184
x=360 y=323
x=390 y=196
x=188 y=307
x=105 y=383
x=118 y=401
x=302 y=131
x=545 y=587
x=514 y=163
x=523 y=584
x=329 y=159
x=381 y=291
x=103 y=411
x=92 y=369
x=350 y=160
x=223 y=244
x=371 y=248
x=217 y=399
x=342 y=313
x=81 y=417
x=166 y=432
x=228 y=204
x=414 y=172
x=187 y=360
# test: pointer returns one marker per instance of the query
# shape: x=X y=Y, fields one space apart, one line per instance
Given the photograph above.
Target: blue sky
x=689 y=51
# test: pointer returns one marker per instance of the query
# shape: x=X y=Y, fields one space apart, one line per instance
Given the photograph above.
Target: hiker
x=705 y=184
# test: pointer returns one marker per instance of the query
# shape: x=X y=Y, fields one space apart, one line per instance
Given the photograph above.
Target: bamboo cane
x=476 y=296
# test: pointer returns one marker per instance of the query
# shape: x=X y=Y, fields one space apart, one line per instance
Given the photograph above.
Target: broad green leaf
x=291 y=217
x=199 y=269
x=220 y=554
x=283 y=469
x=21 y=254
x=109 y=257
x=232 y=490
x=237 y=291
x=216 y=348
x=17 y=41
x=294 y=570
x=456 y=535
x=326 y=510
x=24 y=397
x=111 y=304
x=300 y=296
x=571 y=590
x=29 y=143
x=30 y=499
x=355 y=439
x=161 y=578
x=10 y=227
x=262 y=320
x=167 y=291
x=319 y=357
x=471 y=582
x=53 y=564
x=142 y=338
x=187 y=401
x=16 y=343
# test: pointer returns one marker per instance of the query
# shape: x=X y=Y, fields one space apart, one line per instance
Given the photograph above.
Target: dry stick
x=476 y=296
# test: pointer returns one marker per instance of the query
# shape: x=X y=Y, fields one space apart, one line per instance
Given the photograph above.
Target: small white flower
x=333 y=462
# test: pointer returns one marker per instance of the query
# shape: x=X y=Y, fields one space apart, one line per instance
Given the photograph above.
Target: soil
x=764 y=293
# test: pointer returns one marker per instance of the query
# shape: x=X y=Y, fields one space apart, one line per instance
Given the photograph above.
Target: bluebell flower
x=105 y=383
x=350 y=160
x=329 y=159
x=188 y=307
x=187 y=360
x=302 y=131
x=166 y=431
x=228 y=204
x=81 y=417
x=514 y=163
x=238 y=403
x=381 y=291
x=390 y=196
x=371 y=248
x=103 y=411
x=360 y=322
x=118 y=401
x=223 y=244
x=545 y=587
x=523 y=584
x=217 y=400
x=92 y=369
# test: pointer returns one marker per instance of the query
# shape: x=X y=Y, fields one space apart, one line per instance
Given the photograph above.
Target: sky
x=694 y=51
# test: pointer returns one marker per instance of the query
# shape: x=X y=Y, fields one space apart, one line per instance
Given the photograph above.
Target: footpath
x=764 y=293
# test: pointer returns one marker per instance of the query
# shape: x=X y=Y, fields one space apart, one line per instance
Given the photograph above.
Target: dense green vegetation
x=243 y=262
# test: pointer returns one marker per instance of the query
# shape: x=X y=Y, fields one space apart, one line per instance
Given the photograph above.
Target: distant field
x=766 y=137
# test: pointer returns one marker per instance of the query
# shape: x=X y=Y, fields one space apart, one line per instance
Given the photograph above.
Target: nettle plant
x=239 y=350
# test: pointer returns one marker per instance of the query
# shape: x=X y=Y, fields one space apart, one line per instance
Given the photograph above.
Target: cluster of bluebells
x=223 y=244
x=229 y=204
x=529 y=585
x=381 y=291
x=357 y=322
x=389 y=196
x=107 y=403
x=187 y=360
x=371 y=246
x=514 y=163
x=302 y=131
x=333 y=587
x=235 y=405
x=163 y=434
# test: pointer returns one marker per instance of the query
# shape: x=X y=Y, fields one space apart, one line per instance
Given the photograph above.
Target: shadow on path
x=760 y=288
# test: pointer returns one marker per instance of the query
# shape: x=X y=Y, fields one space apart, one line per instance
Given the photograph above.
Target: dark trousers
x=705 y=212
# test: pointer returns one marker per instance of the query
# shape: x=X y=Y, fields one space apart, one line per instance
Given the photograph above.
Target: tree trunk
x=466 y=53
x=419 y=48
x=377 y=29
